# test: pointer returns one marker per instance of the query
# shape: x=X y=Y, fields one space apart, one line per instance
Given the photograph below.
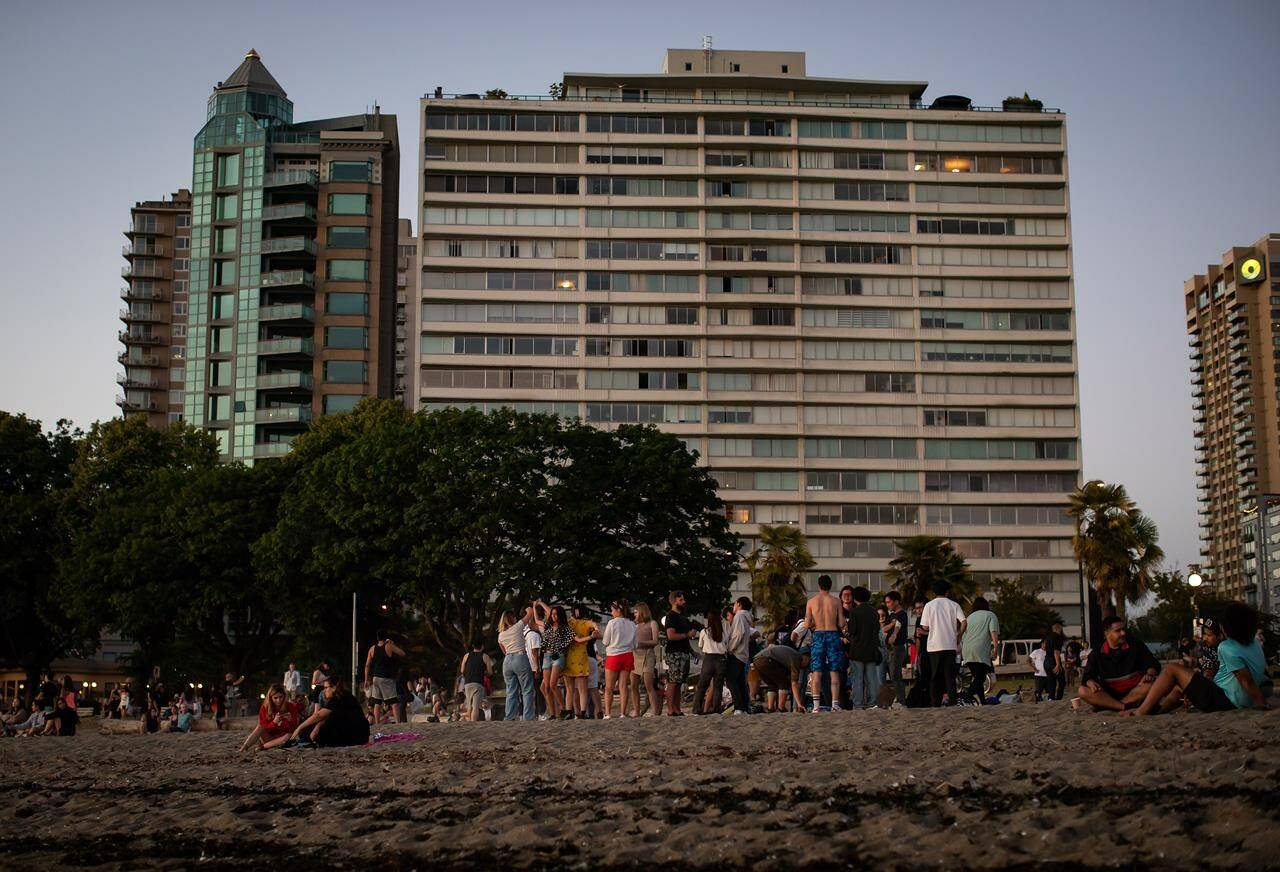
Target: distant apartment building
x=856 y=306
x=406 y=290
x=293 y=265
x=1233 y=320
x=157 y=257
x=1260 y=552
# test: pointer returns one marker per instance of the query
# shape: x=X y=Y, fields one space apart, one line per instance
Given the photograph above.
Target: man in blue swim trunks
x=825 y=617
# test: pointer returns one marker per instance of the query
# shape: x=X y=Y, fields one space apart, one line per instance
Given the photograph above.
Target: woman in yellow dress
x=577 y=665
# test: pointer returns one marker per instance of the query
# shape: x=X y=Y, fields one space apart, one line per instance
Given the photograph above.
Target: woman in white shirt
x=619 y=657
x=516 y=671
x=711 y=643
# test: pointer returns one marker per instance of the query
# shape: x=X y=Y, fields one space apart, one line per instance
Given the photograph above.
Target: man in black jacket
x=1120 y=671
x=864 y=651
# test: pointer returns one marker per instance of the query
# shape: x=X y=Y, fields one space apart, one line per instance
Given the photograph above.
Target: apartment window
x=348 y=237
x=219 y=373
x=224 y=272
x=784 y=68
x=346 y=304
x=227 y=207
x=220 y=407
x=221 y=306
x=346 y=337
x=228 y=169
x=224 y=240
x=737 y=68
x=184 y=221
x=348 y=270
x=335 y=403
x=346 y=371
x=688 y=67
x=182 y=243
x=181 y=264
x=350 y=171
x=348 y=204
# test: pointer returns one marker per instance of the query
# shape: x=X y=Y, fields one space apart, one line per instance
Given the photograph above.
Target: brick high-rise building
x=155 y=311
x=406 y=293
x=1233 y=318
x=855 y=305
x=293 y=265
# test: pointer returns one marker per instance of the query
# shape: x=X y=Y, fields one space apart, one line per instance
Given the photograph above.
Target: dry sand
x=1016 y=785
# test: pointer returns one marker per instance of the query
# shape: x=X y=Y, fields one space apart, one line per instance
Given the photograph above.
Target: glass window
x=219 y=373
x=334 y=403
x=228 y=169
x=220 y=407
x=228 y=207
x=224 y=239
x=350 y=171
x=348 y=204
x=349 y=270
x=348 y=237
x=346 y=337
x=347 y=304
x=353 y=372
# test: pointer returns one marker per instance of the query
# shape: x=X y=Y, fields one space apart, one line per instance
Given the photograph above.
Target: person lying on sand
x=1120 y=672
x=1238 y=682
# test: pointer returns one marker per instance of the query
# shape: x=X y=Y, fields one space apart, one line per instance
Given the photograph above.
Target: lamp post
x=1194 y=580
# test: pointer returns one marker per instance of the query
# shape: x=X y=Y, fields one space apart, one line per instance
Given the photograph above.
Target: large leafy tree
x=923 y=561
x=1171 y=617
x=35 y=473
x=775 y=566
x=1020 y=610
x=116 y=569
x=1115 y=543
x=457 y=514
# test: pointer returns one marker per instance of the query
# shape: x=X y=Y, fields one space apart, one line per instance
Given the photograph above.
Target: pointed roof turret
x=252 y=75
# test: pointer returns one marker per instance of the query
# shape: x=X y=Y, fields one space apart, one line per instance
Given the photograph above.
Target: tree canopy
x=1115 y=543
x=922 y=562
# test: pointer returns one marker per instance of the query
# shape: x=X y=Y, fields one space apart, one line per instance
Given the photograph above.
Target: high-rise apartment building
x=155 y=311
x=856 y=306
x=1233 y=319
x=293 y=264
x=406 y=289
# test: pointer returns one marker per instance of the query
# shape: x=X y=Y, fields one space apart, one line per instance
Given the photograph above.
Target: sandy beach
x=1016 y=785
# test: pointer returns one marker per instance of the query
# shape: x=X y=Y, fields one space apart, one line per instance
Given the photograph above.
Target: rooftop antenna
x=706 y=52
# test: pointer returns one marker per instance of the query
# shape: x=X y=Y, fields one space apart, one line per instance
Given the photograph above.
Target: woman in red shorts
x=277 y=719
x=619 y=657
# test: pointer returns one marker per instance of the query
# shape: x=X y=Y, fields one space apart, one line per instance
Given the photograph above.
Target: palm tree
x=775 y=566
x=923 y=561
x=1115 y=543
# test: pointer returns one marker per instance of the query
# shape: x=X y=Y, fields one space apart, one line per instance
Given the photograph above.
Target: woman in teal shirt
x=1241 y=680
x=981 y=639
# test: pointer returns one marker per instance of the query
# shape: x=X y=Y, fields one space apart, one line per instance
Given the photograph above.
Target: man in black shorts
x=778 y=669
x=679 y=630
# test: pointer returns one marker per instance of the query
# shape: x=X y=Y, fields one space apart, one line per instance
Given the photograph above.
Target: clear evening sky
x=1173 y=126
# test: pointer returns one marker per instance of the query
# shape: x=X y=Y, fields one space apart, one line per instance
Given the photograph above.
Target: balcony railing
x=287 y=312
x=284 y=211
x=291 y=177
x=154 y=271
x=130 y=337
x=130 y=292
x=283 y=415
x=139 y=383
x=131 y=315
x=289 y=345
x=276 y=380
x=271 y=449
x=289 y=277
x=137 y=405
x=142 y=249
x=151 y=360
x=286 y=244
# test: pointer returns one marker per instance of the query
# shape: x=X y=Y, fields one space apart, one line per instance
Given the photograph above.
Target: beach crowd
x=843 y=652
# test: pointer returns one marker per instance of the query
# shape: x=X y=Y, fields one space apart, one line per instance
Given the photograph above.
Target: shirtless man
x=824 y=616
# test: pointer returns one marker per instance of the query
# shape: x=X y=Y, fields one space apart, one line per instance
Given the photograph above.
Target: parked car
x=1014 y=657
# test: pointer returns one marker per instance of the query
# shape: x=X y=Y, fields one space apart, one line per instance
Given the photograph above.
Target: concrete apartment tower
x=1233 y=321
x=155 y=311
x=406 y=293
x=293 y=265
x=856 y=306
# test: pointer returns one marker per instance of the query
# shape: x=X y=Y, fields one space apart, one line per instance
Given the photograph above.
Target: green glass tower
x=287 y=319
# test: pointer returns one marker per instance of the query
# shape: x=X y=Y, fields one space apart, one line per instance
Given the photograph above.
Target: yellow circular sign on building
x=1251 y=270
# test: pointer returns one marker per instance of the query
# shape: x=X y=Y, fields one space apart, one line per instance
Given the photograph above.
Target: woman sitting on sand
x=278 y=717
x=338 y=723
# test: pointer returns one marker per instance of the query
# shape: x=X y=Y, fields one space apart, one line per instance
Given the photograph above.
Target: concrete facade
x=856 y=308
x=1233 y=324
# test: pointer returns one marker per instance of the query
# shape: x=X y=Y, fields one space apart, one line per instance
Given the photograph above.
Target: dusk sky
x=1172 y=134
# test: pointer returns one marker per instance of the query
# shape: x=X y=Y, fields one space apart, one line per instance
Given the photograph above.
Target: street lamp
x=1194 y=581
